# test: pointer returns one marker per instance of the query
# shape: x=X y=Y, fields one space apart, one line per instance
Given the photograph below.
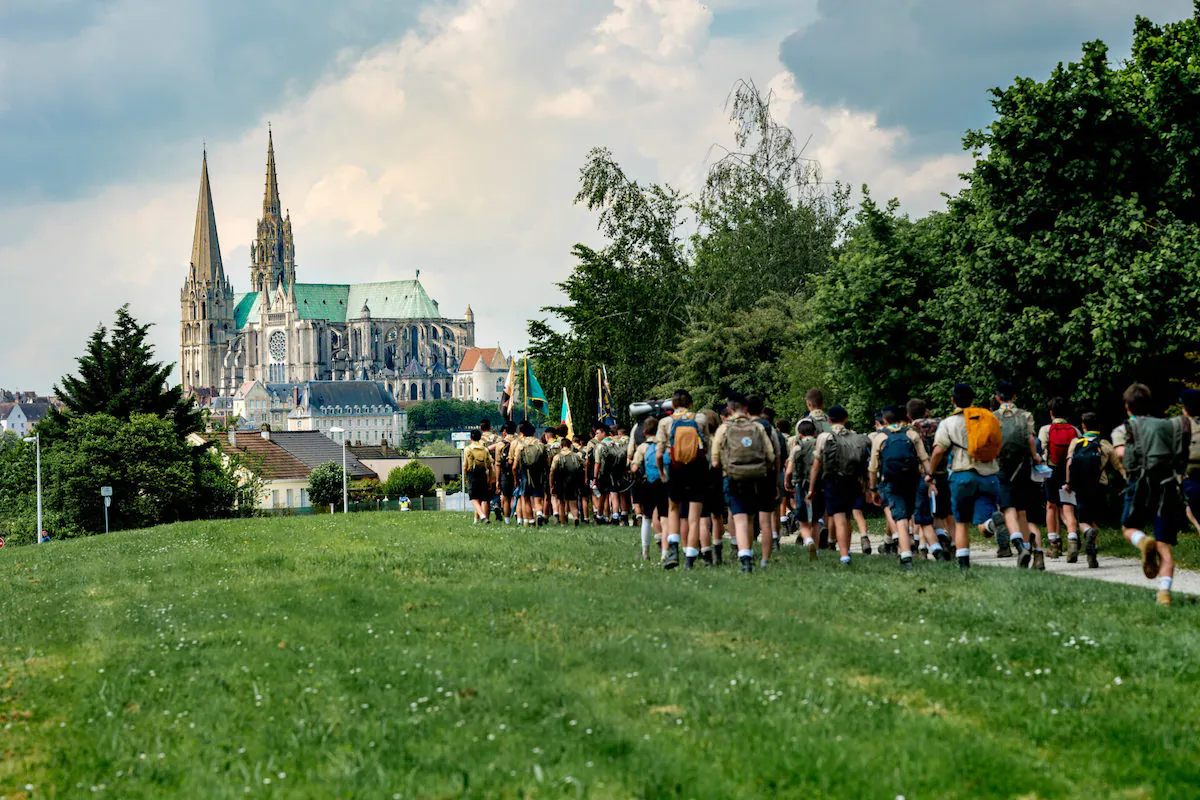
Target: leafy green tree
x=155 y=475
x=119 y=377
x=325 y=486
x=444 y=415
x=414 y=479
x=439 y=448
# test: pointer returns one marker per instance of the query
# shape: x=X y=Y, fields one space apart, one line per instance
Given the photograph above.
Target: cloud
x=926 y=65
x=453 y=148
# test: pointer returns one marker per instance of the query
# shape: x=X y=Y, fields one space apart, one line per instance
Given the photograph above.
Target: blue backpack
x=651 y=462
x=898 y=461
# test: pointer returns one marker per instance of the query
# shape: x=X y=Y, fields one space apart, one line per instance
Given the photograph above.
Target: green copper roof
x=244 y=307
x=392 y=300
x=322 y=301
x=339 y=302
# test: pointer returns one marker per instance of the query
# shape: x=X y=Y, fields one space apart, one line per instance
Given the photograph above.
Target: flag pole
x=526 y=388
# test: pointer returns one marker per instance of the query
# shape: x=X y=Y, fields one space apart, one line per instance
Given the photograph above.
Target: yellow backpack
x=984 y=438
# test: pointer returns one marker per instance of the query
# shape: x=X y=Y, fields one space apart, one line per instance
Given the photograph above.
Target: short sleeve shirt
x=951 y=436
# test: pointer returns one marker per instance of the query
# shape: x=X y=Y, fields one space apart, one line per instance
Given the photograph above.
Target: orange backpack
x=983 y=434
x=687 y=443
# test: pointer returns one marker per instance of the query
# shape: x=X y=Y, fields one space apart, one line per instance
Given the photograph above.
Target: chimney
x=232 y=435
x=266 y=433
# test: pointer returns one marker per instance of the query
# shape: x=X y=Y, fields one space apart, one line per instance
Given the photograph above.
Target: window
x=274 y=498
x=289 y=498
x=304 y=498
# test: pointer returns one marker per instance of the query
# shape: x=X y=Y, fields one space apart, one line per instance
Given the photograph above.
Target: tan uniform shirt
x=639 y=456
x=719 y=439
x=1044 y=438
x=879 y=437
x=952 y=437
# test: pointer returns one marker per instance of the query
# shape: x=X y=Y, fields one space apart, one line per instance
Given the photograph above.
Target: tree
x=325 y=485
x=444 y=415
x=414 y=479
x=439 y=448
x=119 y=377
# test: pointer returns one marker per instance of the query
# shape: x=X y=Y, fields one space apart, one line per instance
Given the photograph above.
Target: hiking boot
x=689 y=562
x=823 y=538
x=1072 y=551
x=747 y=563
x=866 y=545
x=645 y=555
x=1004 y=550
x=775 y=540
x=765 y=563
x=907 y=564
x=707 y=558
x=1055 y=549
x=625 y=520
x=672 y=560
x=1163 y=597
x=1091 y=540
x=1039 y=560
x=1149 y=548
x=964 y=562
x=1024 y=557
x=811 y=547
x=944 y=540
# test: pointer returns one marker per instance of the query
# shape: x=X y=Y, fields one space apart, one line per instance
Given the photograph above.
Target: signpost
x=106 y=493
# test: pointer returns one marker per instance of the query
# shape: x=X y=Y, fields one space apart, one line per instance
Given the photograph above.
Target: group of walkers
x=688 y=477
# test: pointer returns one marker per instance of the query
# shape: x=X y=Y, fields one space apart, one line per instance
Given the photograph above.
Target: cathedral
x=282 y=331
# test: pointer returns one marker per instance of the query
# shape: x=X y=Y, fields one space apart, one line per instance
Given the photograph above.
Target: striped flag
x=604 y=412
x=566 y=415
x=509 y=394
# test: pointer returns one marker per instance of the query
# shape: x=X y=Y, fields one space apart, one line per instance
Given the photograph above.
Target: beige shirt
x=1108 y=458
x=823 y=442
x=639 y=456
x=719 y=439
x=877 y=441
x=952 y=437
x=663 y=437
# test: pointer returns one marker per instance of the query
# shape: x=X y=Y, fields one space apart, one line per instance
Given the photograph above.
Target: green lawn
x=382 y=655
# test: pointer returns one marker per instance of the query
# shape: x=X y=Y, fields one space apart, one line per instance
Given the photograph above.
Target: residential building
x=481 y=375
x=285 y=461
x=366 y=410
x=21 y=417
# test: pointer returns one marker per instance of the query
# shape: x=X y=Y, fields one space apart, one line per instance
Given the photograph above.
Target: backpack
x=475 y=456
x=983 y=434
x=687 y=443
x=651 y=462
x=1158 y=445
x=611 y=458
x=846 y=455
x=1193 y=467
x=570 y=464
x=744 y=450
x=803 y=455
x=504 y=455
x=1014 y=442
x=532 y=454
x=1061 y=436
x=822 y=423
x=1085 y=463
x=898 y=459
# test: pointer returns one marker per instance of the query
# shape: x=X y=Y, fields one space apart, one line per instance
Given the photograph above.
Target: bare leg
x=841 y=527
x=764 y=520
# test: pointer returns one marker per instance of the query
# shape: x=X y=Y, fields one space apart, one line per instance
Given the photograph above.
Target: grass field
x=392 y=655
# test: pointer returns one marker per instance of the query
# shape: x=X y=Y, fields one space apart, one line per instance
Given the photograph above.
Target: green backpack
x=802 y=460
x=533 y=454
x=570 y=464
x=1157 y=446
x=744 y=450
x=612 y=458
x=846 y=455
x=1014 y=442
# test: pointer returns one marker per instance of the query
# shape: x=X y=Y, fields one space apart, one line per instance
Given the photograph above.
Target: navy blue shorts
x=803 y=506
x=929 y=506
x=842 y=495
x=901 y=500
x=1154 y=502
x=973 y=496
x=1019 y=491
x=1191 y=494
x=688 y=483
x=746 y=497
x=1054 y=484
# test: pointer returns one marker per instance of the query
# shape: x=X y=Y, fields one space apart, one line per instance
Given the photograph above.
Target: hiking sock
x=963 y=554
x=624 y=519
x=766 y=562
x=1054 y=537
x=1074 y=536
x=1135 y=537
x=906 y=559
x=845 y=559
x=1165 y=583
x=647 y=533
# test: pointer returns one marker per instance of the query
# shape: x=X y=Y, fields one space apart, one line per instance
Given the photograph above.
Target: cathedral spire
x=271 y=204
x=206 y=250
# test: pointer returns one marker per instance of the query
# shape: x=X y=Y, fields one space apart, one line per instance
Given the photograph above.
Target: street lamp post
x=36 y=440
x=345 y=493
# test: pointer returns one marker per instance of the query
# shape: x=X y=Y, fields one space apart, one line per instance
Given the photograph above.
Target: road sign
x=1 y=543
x=106 y=491
x=460 y=436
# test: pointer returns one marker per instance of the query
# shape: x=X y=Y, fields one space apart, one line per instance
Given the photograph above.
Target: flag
x=566 y=415
x=533 y=389
x=604 y=410
x=509 y=394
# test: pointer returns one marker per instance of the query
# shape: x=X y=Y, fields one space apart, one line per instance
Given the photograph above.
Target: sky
x=446 y=136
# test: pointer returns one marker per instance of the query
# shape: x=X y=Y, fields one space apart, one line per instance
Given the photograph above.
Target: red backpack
x=1061 y=436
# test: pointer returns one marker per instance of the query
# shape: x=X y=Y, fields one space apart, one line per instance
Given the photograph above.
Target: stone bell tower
x=273 y=254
